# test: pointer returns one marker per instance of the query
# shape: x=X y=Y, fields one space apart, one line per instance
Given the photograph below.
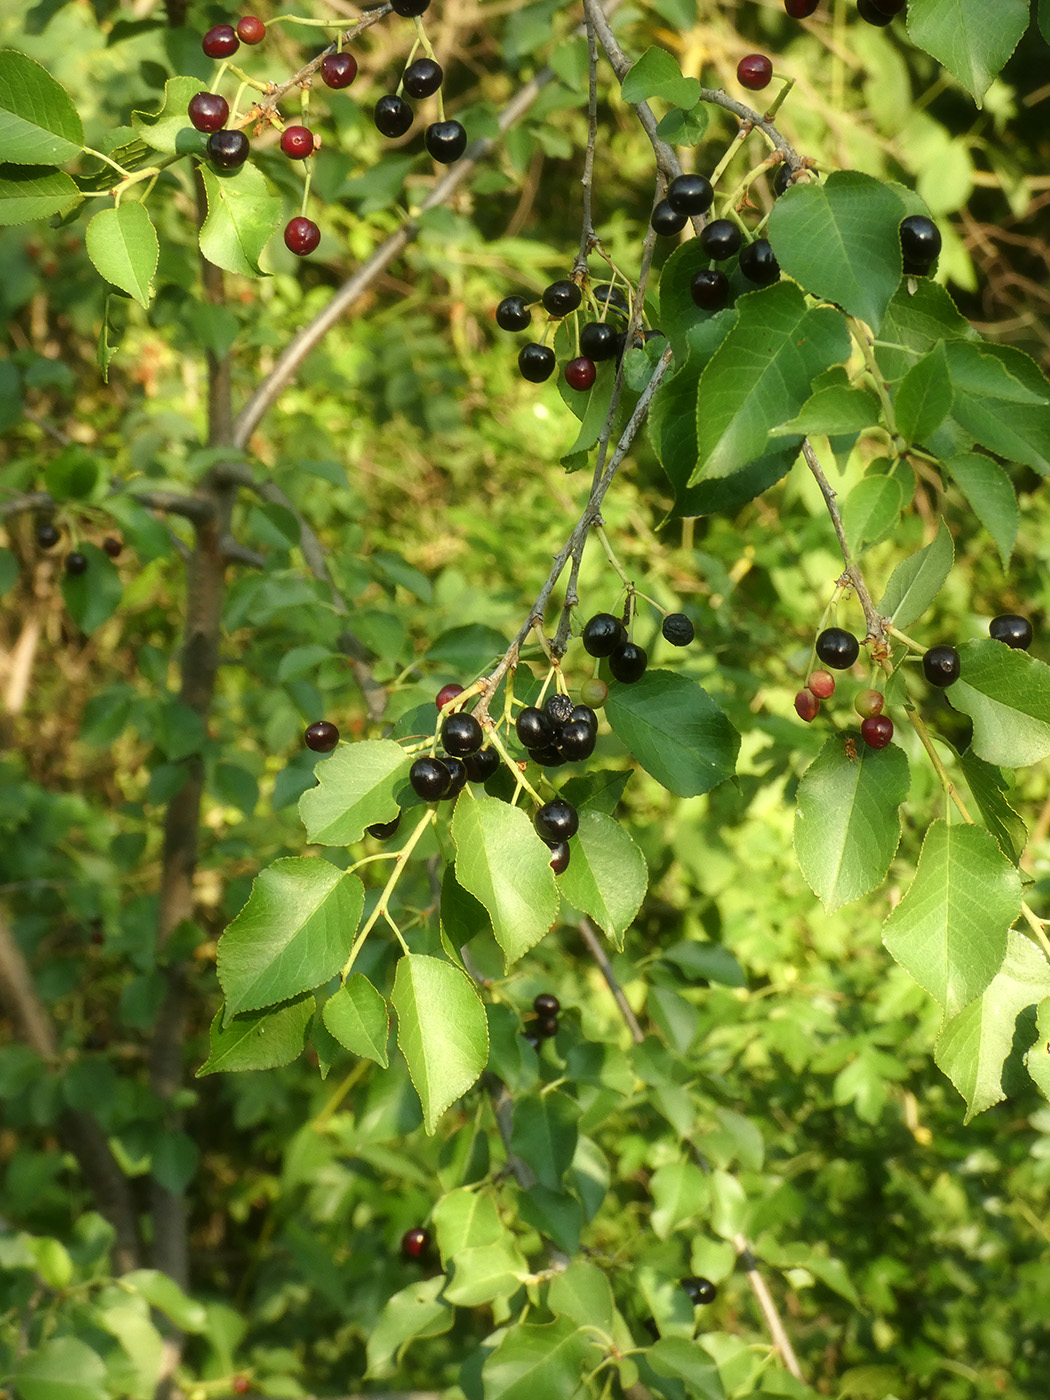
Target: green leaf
x=847 y=826
x=357 y=1016
x=760 y=376
x=92 y=597
x=675 y=731
x=680 y=1191
x=164 y=1294
x=924 y=396
x=871 y=510
x=834 y=410
x=980 y=371
x=175 y=1159
x=122 y=244
x=34 y=192
x=169 y=130
x=1037 y=1061
x=1007 y=695
x=657 y=74
x=242 y=217
x=991 y=496
x=544 y=1135
x=680 y=1358
x=539 y=1360
x=465 y=1220
x=684 y=128
x=988 y=787
x=917 y=580
x=840 y=241
x=582 y=1293
x=973 y=1046
x=607 y=875
x=417 y=1311
x=486 y=1272
x=1001 y=400
x=949 y=931
x=72 y=474
x=295 y=932
x=970 y=37
x=258 y=1039
x=38 y=123
x=61 y=1369
x=357 y=787
x=441 y=1030
x=502 y=862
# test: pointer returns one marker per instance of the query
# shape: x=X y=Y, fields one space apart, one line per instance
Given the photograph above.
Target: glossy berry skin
x=446 y=141
x=338 y=70
x=871 y=14
x=700 y=1290
x=758 y=264
x=251 y=30
x=536 y=363
x=462 y=734
x=690 y=194
x=446 y=694
x=534 y=729
x=112 y=546
x=920 y=244
x=76 y=563
x=603 y=634
x=422 y=78
x=415 y=1242
x=221 y=41
x=430 y=779
x=580 y=373
x=807 y=706
x=869 y=703
x=301 y=235
x=709 y=289
x=666 y=220
x=208 y=111
x=889 y=7
x=482 y=766
x=837 y=648
x=1010 y=628
x=628 y=662
x=611 y=298
x=598 y=341
x=546 y=1004
x=409 y=9
x=512 y=314
x=577 y=740
x=561 y=298
x=228 y=149
x=297 y=142
x=549 y=757
x=782 y=180
x=457 y=773
x=677 y=629
x=822 y=684
x=382 y=831
x=392 y=115
x=754 y=71
x=877 y=731
x=594 y=692
x=940 y=666
x=556 y=820
x=547 y=1026
x=47 y=534
x=558 y=708
x=560 y=857
x=585 y=715
x=720 y=239
x=800 y=9
x=321 y=736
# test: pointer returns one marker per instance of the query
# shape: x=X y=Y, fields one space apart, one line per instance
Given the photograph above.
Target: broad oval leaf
x=295 y=932
x=38 y=123
x=485 y=1272
x=988 y=786
x=675 y=731
x=465 y=1220
x=607 y=875
x=1005 y=408
x=258 y=1039
x=583 y=1293
x=680 y=1190
x=63 y=1368
x=243 y=215
x=417 y=1311
x=169 y=129
x=357 y=1016
x=545 y=1360
x=657 y=74
x=871 y=509
x=164 y=1294
x=924 y=396
x=970 y=37
x=917 y=580
x=1007 y=695
x=441 y=1029
x=949 y=931
x=357 y=786
x=32 y=192
x=502 y=862
x=122 y=244
x=840 y=241
x=991 y=495
x=833 y=410
x=544 y=1135
x=847 y=826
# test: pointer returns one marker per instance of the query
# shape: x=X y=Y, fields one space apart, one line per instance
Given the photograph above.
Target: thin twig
x=598 y=953
x=769 y=1310
x=874 y=622
x=587 y=234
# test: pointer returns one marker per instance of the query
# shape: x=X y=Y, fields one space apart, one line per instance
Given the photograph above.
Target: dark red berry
x=251 y=30
x=47 y=534
x=677 y=629
x=112 y=546
x=208 y=111
x=603 y=634
x=513 y=314
x=598 y=341
x=536 y=362
x=822 y=684
x=221 y=41
x=422 y=78
x=877 y=731
x=800 y=9
x=709 y=289
x=562 y=297
x=690 y=194
x=556 y=820
x=415 y=1242
x=409 y=9
x=546 y=1004
x=462 y=734
x=392 y=115
x=430 y=779
x=940 y=666
x=321 y=736
x=580 y=373
x=383 y=831
x=76 y=563
x=1010 y=628
x=721 y=238
x=241 y=1385
x=628 y=662
x=700 y=1290
x=758 y=263
x=482 y=766
x=666 y=220
x=837 y=648
x=754 y=71
x=301 y=235
x=560 y=856
x=297 y=142
x=228 y=149
x=534 y=729
x=807 y=706
x=338 y=70
x=446 y=694
x=868 y=703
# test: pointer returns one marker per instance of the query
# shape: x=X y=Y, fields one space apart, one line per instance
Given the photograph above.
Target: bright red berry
x=807 y=706
x=220 y=41
x=754 y=71
x=297 y=142
x=338 y=70
x=877 y=731
x=822 y=684
x=580 y=373
x=251 y=30
x=415 y=1242
x=301 y=236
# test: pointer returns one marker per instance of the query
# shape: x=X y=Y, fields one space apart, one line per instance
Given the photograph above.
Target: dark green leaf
x=991 y=495
x=416 y=1312
x=684 y=128
x=917 y=580
x=675 y=731
x=833 y=411
x=1006 y=409
x=1007 y=695
x=92 y=597
x=32 y=192
x=544 y=1135
x=871 y=510
x=924 y=396
x=681 y=1358
x=38 y=123
x=545 y=1360
x=988 y=787
x=607 y=875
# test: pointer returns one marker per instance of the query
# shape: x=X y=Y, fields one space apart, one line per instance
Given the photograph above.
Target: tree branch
x=871 y=612
x=598 y=953
x=764 y=1298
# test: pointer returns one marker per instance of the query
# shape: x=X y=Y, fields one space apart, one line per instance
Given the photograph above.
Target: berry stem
x=382 y=907
x=90 y=151
x=603 y=539
x=421 y=40
x=919 y=725
x=519 y=777
x=778 y=101
x=247 y=80
x=1036 y=925
x=307 y=182
x=903 y=637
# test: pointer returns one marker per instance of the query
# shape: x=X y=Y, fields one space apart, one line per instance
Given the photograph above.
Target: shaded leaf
x=607 y=875
x=924 y=396
x=33 y=192
x=544 y=1135
x=416 y=1312
x=991 y=495
x=545 y=1360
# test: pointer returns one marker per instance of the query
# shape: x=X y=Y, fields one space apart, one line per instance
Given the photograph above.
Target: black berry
x=754 y=71
x=415 y=1242
x=251 y=30
x=301 y=235
x=558 y=708
x=383 y=831
x=666 y=220
x=297 y=142
x=940 y=666
x=556 y=820
x=536 y=362
x=221 y=41
x=800 y=9
x=782 y=180
x=709 y=289
x=598 y=341
x=920 y=244
x=758 y=264
x=462 y=734
x=112 y=546
x=547 y=1026
x=1015 y=631
x=321 y=736
x=48 y=534
x=76 y=563
x=422 y=78
x=338 y=70
x=603 y=634
x=720 y=239
x=560 y=856
x=392 y=115
x=429 y=778
x=546 y=1004
x=871 y=14
x=577 y=740
x=628 y=663
x=889 y=7
x=700 y=1290
x=409 y=9
x=549 y=757
x=534 y=729
x=585 y=714
x=481 y=766
x=208 y=111
x=512 y=314
x=677 y=630
x=611 y=298
x=877 y=731
x=457 y=774
x=446 y=141
x=560 y=298
x=690 y=194
x=228 y=149
x=837 y=648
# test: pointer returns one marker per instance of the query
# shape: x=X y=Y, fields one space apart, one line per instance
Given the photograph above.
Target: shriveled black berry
x=677 y=630
x=534 y=728
x=700 y=1290
x=457 y=773
x=422 y=78
x=430 y=779
x=598 y=341
x=382 y=831
x=920 y=244
x=546 y=1004
x=577 y=740
x=940 y=666
x=1014 y=630
x=628 y=662
x=560 y=856
x=392 y=115
x=557 y=708
x=462 y=734
x=758 y=264
x=556 y=820
x=666 y=220
x=561 y=297
x=481 y=766
x=536 y=362
x=837 y=648
x=603 y=634
x=513 y=314
x=709 y=289
x=47 y=534
x=690 y=194
x=721 y=238
x=547 y=1026
x=321 y=736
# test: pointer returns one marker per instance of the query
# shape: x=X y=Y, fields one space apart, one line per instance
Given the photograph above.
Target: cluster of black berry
x=545 y=1026
x=560 y=732
x=603 y=338
x=877 y=12
x=605 y=636
x=48 y=535
x=228 y=146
